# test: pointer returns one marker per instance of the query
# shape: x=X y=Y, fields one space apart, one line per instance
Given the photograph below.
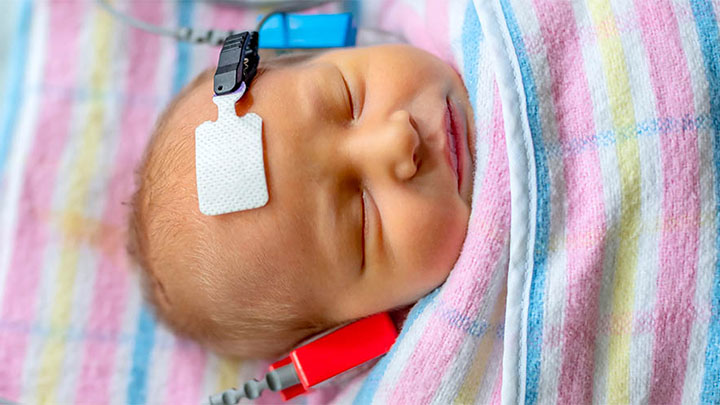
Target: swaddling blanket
x=613 y=279
x=611 y=112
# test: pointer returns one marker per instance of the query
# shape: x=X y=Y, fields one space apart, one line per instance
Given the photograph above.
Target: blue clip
x=308 y=31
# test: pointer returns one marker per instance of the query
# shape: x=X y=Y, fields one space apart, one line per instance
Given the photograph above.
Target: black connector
x=238 y=62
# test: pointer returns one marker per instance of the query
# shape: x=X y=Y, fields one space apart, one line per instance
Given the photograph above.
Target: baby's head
x=368 y=207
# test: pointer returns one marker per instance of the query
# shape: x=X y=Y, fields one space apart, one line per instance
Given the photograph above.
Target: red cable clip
x=339 y=351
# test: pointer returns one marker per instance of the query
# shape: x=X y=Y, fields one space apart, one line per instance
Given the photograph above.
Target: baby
x=369 y=161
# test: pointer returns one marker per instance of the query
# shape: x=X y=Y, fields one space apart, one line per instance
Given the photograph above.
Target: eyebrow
x=319 y=97
x=309 y=96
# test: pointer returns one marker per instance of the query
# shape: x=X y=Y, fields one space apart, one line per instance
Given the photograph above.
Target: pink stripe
x=111 y=281
x=413 y=26
x=678 y=244
x=229 y=18
x=274 y=398
x=430 y=32
x=585 y=214
x=469 y=280
x=186 y=373
x=437 y=17
x=34 y=224
x=496 y=398
x=624 y=25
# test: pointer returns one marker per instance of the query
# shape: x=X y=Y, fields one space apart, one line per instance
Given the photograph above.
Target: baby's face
x=369 y=168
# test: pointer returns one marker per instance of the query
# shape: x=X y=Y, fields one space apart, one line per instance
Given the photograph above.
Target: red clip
x=339 y=351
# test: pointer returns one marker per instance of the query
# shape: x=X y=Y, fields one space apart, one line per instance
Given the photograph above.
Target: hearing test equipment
x=231 y=177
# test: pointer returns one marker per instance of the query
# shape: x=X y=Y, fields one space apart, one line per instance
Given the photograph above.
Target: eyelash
x=364 y=227
x=350 y=99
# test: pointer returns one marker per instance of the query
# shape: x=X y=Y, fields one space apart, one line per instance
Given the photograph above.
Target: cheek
x=432 y=241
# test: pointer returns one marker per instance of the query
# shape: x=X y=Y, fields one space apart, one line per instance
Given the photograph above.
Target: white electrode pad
x=229 y=160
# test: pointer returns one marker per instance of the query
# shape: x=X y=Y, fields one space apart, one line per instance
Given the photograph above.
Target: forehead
x=278 y=96
x=287 y=100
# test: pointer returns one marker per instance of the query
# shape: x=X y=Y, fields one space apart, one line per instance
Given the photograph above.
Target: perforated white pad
x=229 y=160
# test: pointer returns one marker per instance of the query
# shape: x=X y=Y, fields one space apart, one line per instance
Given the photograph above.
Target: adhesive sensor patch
x=229 y=161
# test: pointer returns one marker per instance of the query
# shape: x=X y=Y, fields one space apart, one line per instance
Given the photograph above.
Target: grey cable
x=210 y=36
x=217 y=37
x=276 y=380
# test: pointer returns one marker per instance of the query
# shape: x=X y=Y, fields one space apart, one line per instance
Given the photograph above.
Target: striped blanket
x=610 y=114
x=614 y=280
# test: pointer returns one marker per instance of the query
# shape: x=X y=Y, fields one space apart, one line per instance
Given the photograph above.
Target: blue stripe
x=14 y=81
x=537 y=284
x=185 y=14
x=144 y=342
x=708 y=33
x=372 y=381
x=472 y=37
x=145 y=332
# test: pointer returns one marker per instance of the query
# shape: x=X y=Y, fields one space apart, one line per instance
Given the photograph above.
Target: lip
x=457 y=141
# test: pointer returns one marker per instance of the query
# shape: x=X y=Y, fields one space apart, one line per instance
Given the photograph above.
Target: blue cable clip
x=292 y=31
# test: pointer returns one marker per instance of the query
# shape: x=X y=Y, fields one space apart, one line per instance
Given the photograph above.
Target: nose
x=397 y=145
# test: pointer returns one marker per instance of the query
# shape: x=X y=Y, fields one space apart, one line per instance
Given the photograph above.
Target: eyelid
x=350 y=97
x=365 y=226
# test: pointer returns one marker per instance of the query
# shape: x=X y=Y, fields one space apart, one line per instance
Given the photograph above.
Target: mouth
x=455 y=134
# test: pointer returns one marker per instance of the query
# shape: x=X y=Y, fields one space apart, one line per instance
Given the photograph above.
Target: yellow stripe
x=228 y=372
x=71 y=220
x=623 y=116
x=469 y=389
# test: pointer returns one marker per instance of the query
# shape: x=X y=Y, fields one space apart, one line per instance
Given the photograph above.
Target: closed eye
x=364 y=229
x=351 y=105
